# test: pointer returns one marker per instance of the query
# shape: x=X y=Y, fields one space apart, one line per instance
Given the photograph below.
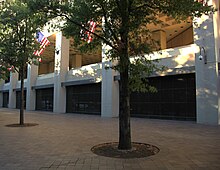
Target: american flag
x=10 y=68
x=87 y=35
x=204 y=2
x=43 y=43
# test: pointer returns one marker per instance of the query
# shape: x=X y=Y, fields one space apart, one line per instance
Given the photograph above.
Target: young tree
x=4 y=73
x=122 y=25
x=18 y=26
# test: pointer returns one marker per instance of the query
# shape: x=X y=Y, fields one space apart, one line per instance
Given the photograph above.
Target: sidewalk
x=63 y=141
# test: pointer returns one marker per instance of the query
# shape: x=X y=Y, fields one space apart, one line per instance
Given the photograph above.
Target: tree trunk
x=124 y=114
x=22 y=96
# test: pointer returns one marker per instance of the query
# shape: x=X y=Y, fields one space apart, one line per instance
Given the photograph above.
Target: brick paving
x=63 y=141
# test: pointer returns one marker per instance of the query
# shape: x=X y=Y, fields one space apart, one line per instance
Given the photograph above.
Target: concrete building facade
x=67 y=81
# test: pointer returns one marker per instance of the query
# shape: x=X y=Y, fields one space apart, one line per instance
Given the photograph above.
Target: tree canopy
x=18 y=27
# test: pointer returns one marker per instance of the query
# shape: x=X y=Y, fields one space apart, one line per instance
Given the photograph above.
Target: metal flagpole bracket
x=202 y=54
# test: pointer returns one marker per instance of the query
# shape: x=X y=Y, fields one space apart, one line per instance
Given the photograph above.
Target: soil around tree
x=24 y=125
x=139 y=150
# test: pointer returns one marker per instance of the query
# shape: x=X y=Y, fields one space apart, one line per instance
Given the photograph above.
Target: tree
x=4 y=73
x=18 y=26
x=122 y=25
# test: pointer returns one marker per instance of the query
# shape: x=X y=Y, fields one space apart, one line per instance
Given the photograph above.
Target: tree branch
x=118 y=4
x=65 y=15
x=25 y=41
x=17 y=31
x=143 y=6
x=83 y=27
x=107 y=23
x=98 y=36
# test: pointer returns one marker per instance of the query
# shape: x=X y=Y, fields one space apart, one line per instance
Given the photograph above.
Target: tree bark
x=124 y=113
x=22 y=96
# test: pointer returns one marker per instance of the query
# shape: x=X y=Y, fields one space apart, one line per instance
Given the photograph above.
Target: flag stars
x=43 y=43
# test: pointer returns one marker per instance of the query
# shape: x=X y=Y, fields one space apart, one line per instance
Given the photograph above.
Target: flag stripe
x=43 y=42
x=87 y=35
x=41 y=51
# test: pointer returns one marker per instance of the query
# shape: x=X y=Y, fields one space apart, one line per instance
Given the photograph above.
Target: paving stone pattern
x=63 y=141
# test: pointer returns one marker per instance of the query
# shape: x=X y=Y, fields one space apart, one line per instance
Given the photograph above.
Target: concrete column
x=60 y=70
x=1 y=99
x=110 y=88
x=51 y=67
x=206 y=36
x=32 y=73
x=2 y=82
x=12 y=92
x=160 y=37
x=77 y=61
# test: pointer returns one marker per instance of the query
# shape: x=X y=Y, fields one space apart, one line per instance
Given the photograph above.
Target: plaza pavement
x=63 y=141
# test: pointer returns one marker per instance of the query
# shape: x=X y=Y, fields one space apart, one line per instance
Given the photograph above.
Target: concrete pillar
x=51 y=67
x=1 y=94
x=206 y=36
x=1 y=99
x=76 y=61
x=12 y=92
x=32 y=73
x=60 y=70
x=160 y=37
x=110 y=88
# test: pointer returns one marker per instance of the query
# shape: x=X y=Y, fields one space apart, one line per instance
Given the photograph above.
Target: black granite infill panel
x=175 y=98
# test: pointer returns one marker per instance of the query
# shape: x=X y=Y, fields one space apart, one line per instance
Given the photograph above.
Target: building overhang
x=4 y=91
x=78 y=82
x=168 y=72
x=42 y=86
x=19 y=89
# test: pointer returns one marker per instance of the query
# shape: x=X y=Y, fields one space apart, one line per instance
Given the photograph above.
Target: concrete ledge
x=19 y=89
x=78 y=82
x=169 y=72
x=2 y=91
x=42 y=86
